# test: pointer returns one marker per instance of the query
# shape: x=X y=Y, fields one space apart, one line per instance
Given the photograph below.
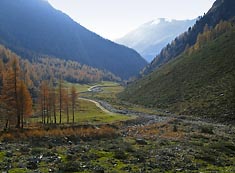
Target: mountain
x=221 y=10
x=194 y=75
x=33 y=27
x=151 y=37
x=199 y=82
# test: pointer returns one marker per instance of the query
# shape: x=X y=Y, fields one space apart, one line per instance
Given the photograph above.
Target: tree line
x=45 y=67
x=210 y=34
x=59 y=101
x=15 y=99
x=19 y=94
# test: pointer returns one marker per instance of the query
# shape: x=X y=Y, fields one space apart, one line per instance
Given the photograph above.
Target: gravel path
x=98 y=105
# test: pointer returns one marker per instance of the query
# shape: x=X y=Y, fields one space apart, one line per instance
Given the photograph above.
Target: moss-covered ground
x=176 y=145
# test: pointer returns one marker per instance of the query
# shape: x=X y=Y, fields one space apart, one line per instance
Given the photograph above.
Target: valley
x=130 y=141
x=74 y=101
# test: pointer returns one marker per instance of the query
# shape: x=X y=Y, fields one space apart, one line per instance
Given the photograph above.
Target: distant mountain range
x=151 y=37
x=33 y=28
x=194 y=75
x=221 y=10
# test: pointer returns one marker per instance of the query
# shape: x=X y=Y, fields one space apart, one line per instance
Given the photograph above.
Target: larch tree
x=25 y=73
x=8 y=98
x=16 y=72
x=1 y=73
x=66 y=102
x=61 y=96
x=44 y=97
x=53 y=102
x=25 y=102
x=74 y=96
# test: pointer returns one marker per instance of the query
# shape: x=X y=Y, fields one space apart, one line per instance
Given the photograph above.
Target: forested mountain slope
x=49 y=68
x=33 y=27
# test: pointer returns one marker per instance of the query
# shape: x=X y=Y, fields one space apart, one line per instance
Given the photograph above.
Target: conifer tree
x=16 y=72
x=44 y=94
x=74 y=96
x=60 y=99
x=25 y=102
x=8 y=98
x=1 y=74
x=53 y=102
x=66 y=101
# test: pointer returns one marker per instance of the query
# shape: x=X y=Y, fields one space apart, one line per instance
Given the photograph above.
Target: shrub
x=119 y=154
x=71 y=166
x=207 y=129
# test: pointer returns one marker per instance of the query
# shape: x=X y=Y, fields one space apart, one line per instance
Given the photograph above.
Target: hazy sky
x=114 y=18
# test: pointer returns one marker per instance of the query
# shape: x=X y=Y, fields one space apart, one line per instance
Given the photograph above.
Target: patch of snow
x=155 y=22
x=168 y=20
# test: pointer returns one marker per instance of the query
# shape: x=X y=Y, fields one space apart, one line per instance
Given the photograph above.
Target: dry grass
x=157 y=130
x=82 y=132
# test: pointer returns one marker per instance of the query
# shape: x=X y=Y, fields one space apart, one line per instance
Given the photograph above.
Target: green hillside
x=201 y=83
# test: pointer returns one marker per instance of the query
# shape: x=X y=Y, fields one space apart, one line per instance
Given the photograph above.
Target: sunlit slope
x=201 y=83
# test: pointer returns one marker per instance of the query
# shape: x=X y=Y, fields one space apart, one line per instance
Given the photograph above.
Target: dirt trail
x=97 y=104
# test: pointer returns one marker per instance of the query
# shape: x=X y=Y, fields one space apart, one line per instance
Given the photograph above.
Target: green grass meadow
x=87 y=113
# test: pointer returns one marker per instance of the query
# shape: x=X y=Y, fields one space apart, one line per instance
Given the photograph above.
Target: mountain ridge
x=221 y=10
x=148 y=39
x=34 y=27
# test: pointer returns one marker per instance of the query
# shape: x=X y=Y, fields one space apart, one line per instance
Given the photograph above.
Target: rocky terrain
x=147 y=143
x=173 y=145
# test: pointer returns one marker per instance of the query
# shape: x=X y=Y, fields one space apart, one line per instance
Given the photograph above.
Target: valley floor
x=145 y=143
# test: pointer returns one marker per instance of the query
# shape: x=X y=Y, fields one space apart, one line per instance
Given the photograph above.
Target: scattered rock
x=32 y=165
x=9 y=154
x=70 y=142
x=141 y=141
x=25 y=149
x=98 y=169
